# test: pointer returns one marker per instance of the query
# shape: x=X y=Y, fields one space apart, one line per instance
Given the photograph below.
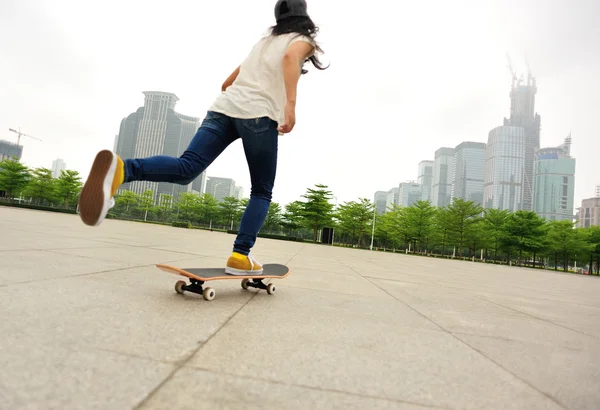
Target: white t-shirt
x=259 y=89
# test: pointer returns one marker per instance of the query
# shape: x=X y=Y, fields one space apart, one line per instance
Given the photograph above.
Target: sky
x=405 y=78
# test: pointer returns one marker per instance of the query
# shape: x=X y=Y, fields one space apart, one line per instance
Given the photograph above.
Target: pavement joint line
x=543 y=393
x=77 y=275
x=538 y=318
x=317 y=388
x=181 y=363
x=456 y=337
x=505 y=339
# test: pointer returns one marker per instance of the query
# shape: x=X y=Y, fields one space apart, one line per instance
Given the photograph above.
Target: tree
x=146 y=202
x=317 y=210
x=524 y=231
x=421 y=219
x=493 y=223
x=292 y=217
x=164 y=207
x=209 y=208
x=274 y=217
x=461 y=215
x=188 y=207
x=594 y=240
x=41 y=187
x=229 y=209
x=68 y=187
x=14 y=177
x=125 y=202
x=356 y=218
x=566 y=240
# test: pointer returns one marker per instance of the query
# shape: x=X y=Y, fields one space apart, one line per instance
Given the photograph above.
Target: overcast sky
x=405 y=79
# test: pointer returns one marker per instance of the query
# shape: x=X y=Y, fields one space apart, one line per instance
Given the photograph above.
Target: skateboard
x=199 y=276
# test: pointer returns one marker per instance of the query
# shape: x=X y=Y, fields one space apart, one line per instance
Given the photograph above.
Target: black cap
x=290 y=8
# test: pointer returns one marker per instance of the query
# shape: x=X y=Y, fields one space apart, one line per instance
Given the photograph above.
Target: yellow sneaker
x=239 y=264
x=96 y=198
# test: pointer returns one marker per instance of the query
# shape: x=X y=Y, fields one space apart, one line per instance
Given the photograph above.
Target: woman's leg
x=216 y=133
x=260 y=139
x=109 y=171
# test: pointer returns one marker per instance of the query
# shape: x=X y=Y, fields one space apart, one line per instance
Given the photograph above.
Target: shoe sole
x=238 y=272
x=94 y=201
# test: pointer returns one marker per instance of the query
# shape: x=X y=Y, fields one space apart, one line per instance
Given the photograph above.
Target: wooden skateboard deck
x=198 y=276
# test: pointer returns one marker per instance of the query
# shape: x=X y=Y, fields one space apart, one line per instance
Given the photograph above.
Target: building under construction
x=10 y=150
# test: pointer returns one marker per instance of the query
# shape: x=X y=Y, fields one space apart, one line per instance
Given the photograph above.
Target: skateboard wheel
x=270 y=288
x=208 y=294
x=245 y=283
x=179 y=287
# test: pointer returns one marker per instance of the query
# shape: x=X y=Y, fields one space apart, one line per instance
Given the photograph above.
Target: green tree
x=524 y=231
x=229 y=210
x=317 y=210
x=421 y=219
x=356 y=218
x=146 y=202
x=188 y=207
x=274 y=218
x=594 y=241
x=41 y=187
x=293 y=218
x=164 y=207
x=461 y=215
x=14 y=177
x=209 y=208
x=566 y=240
x=126 y=202
x=493 y=223
x=68 y=186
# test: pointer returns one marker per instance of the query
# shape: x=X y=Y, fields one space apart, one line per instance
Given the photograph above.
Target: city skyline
x=432 y=104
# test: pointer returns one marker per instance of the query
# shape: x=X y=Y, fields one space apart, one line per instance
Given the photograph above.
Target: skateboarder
x=257 y=104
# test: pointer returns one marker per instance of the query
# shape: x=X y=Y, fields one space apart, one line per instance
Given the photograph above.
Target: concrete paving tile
x=351 y=284
x=141 y=315
x=198 y=389
x=31 y=266
x=360 y=354
x=38 y=374
x=445 y=298
x=570 y=377
x=509 y=326
x=133 y=255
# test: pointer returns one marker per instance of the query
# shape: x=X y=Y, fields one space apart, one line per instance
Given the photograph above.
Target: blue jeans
x=259 y=137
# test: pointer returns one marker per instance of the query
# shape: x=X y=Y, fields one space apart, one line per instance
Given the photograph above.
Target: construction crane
x=21 y=134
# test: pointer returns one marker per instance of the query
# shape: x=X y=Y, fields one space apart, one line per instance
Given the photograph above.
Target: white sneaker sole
x=240 y=272
x=95 y=199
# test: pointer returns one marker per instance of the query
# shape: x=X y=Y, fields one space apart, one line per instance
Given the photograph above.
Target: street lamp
x=373 y=227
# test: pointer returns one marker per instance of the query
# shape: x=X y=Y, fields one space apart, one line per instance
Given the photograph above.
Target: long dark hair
x=302 y=26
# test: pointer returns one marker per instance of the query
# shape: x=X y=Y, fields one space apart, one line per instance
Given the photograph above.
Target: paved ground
x=87 y=321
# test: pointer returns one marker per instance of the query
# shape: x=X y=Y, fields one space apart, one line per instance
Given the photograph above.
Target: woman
x=257 y=104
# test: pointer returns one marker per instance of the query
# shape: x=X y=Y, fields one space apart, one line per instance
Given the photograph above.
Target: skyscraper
x=468 y=173
x=220 y=188
x=392 y=198
x=156 y=129
x=409 y=193
x=504 y=168
x=425 y=179
x=554 y=183
x=522 y=114
x=199 y=184
x=239 y=192
x=589 y=213
x=443 y=169
x=381 y=201
x=58 y=165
